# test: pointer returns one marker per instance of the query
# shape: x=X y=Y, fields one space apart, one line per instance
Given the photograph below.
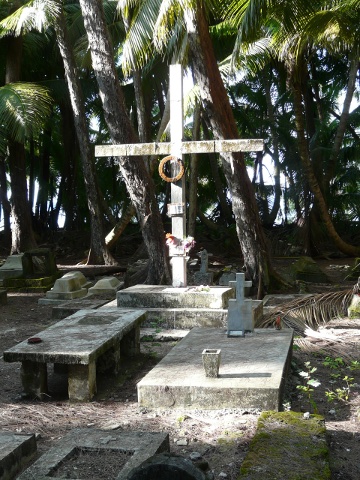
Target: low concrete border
x=15 y=450
x=143 y=444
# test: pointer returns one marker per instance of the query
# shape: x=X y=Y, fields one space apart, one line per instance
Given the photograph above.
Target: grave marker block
x=240 y=318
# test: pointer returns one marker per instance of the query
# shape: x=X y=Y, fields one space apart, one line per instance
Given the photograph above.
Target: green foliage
x=333 y=363
x=341 y=393
x=309 y=384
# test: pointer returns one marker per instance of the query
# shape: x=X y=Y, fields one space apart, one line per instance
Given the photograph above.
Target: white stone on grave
x=240 y=316
x=13 y=267
x=107 y=286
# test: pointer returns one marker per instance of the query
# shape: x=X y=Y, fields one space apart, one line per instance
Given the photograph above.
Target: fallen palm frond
x=310 y=311
x=305 y=315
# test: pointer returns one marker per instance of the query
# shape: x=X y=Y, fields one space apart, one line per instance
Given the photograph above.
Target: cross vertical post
x=178 y=223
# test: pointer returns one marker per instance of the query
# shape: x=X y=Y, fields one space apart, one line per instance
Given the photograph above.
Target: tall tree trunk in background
x=6 y=207
x=311 y=177
x=99 y=253
x=135 y=174
x=270 y=217
x=23 y=237
x=193 y=177
x=217 y=106
x=69 y=168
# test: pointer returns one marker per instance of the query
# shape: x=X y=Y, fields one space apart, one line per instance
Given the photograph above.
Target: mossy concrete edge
x=287 y=446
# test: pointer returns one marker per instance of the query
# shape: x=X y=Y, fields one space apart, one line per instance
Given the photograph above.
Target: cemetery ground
x=221 y=437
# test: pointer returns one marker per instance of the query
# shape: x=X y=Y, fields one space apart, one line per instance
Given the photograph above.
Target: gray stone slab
x=78 y=338
x=142 y=445
x=192 y=317
x=251 y=375
x=13 y=267
x=65 y=309
x=15 y=451
x=79 y=342
x=158 y=296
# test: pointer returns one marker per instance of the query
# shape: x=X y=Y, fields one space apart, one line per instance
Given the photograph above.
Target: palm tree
x=26 y=20
x=216 y=105
x=135 y=174
x=297 y=30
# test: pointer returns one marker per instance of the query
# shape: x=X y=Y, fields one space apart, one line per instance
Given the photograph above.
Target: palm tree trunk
x=354 y=67
x=344 y=247
x=99 y=253
x=138 y=182
x=22 y=233
x=218 y=109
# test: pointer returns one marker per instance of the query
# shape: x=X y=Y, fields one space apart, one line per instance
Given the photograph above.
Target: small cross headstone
x=203 y=277
x=240 y=316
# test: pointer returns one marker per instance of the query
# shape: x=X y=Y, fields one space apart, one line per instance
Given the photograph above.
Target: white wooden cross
x=177 y=148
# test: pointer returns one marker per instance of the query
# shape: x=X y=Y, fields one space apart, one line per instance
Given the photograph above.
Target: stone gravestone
x=240 y=316
x=203 y=277
x=12 y=268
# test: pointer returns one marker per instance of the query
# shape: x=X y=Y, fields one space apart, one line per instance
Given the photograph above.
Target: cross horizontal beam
x=164 y=148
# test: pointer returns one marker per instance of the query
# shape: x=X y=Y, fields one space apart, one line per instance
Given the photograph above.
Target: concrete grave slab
x=252 y=372
x=15 y=451
x=79 y=342
x=142 y=445
x=65 y=309
x=71 y=285
x=106 y=287
x=190 y=317
x=13 y=267
x=160 y=296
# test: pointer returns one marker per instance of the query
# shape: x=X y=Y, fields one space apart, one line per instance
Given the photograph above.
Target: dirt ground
x=221 y=437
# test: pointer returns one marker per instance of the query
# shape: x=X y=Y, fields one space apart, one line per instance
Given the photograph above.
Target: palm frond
x=23 y=107
x=311 y=311
x=34 y=15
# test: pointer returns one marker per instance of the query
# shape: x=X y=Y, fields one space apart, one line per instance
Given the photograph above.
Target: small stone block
x=15 y=451
x=354 y=307
x=82 y=382
x=211 y=358
x=13 y=267
x=107 y=286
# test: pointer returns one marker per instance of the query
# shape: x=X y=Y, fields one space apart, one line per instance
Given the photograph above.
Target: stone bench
x=79 y=341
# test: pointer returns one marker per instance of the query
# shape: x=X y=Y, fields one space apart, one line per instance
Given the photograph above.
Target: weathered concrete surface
x=79 y=340
x=252 y=372
x=165 y=148
x=13 y=267
x=15 y=451
x=65 y=309
x=185 y=318
x=287 y=446
x=70 y=286
x=158 y=296
x=142 y=444
x=106 y=287
x=354 y=307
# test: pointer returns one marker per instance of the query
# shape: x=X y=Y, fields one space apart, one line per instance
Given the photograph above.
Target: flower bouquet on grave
x=178 y=246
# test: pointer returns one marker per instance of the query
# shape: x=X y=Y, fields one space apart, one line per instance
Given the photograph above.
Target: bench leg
x=34 y=378
x=130 y=343
x=82 y=382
